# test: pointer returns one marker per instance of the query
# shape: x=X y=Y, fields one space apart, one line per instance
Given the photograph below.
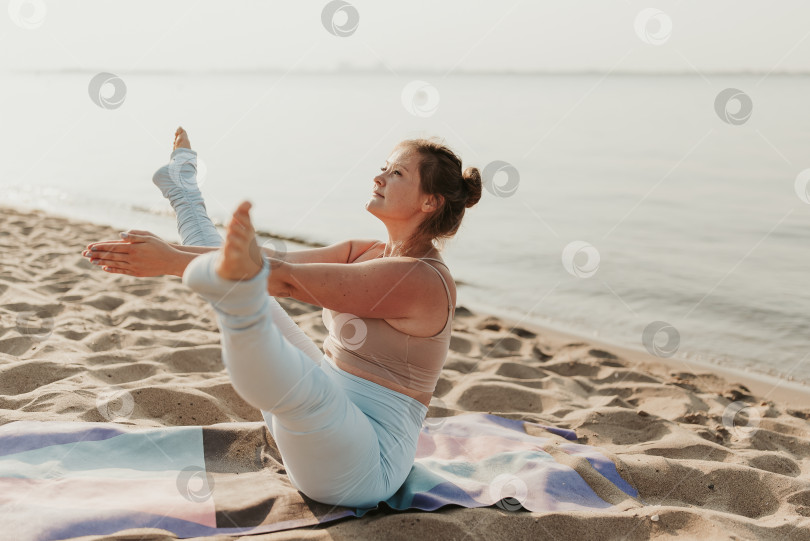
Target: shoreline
x=792 y=393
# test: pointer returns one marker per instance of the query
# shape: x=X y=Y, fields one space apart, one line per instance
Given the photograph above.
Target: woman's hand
x=140 y=253
x=123 y=236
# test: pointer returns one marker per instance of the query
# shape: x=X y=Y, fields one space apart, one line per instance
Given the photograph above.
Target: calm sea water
x=696 y=222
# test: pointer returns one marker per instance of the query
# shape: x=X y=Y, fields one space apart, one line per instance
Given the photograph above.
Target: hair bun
x=472 y=185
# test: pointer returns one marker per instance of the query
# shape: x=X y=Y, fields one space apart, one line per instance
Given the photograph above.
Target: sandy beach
x=713 y=454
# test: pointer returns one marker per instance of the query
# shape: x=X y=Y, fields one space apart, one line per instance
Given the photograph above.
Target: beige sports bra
x=373 y=345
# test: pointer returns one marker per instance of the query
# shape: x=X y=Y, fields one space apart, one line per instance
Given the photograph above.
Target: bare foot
x=181 y=139
x=241 y=258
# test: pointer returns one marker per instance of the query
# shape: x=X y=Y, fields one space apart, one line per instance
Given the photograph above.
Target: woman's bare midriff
x=421 y=396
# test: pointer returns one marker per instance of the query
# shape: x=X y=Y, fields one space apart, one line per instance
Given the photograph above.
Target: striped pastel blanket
x=69 y=479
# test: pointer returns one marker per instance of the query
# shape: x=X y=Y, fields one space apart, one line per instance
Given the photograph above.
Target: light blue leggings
x=344 y=440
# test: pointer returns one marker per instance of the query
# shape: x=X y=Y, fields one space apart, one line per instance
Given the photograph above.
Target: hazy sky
x=406 y=35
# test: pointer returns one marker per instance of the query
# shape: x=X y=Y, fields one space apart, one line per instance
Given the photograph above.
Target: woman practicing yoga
x=346 y=421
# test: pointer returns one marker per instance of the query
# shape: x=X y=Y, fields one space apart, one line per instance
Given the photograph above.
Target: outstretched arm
x=340 y=252
x=139 y=255
x=143 y=253
x=397 y=287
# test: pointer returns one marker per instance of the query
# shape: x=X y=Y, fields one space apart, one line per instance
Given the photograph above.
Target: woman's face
x=398 y=185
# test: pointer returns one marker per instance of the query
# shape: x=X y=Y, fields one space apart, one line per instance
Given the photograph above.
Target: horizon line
x=410 y=71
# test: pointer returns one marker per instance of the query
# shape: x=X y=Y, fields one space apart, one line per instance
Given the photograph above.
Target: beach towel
x=68 y=479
